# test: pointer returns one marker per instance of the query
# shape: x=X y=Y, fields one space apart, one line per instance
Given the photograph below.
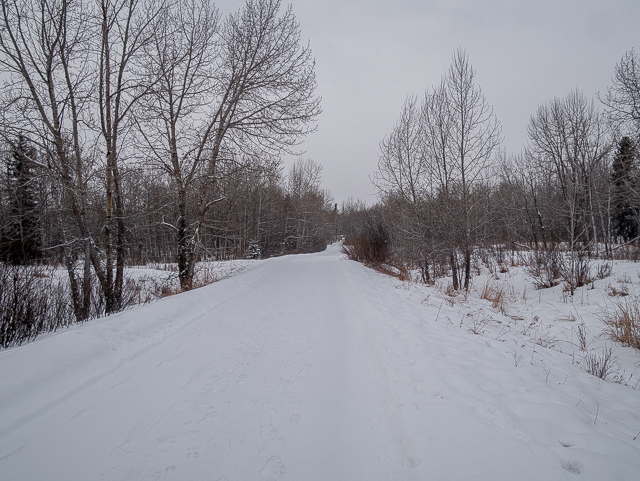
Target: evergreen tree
x=624 y=179
x=21 y=236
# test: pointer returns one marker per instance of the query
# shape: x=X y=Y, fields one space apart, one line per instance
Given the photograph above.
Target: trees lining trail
x=307 y=367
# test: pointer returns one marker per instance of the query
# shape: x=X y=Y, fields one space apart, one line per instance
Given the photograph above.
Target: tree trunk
x=454 y=270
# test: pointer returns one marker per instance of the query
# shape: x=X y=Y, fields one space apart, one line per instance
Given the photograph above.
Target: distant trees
x=622 y=100
x=156 y=130
x=21 y=240
x=306 y=204
x=222 y=92
x=447 y=194
x=568 y=141
x=625 y=195
x=434 y=164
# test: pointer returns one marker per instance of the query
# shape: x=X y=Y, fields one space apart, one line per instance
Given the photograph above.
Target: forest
x=140 y=131
x=450 y=196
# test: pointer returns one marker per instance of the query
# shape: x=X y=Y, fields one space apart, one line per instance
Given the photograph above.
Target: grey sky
x=371 y=54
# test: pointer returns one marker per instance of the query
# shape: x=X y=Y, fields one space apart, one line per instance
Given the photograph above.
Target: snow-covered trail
x=305 y=367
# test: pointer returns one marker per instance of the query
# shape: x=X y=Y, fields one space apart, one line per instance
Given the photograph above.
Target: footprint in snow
x=193 y=453
x=219 y=448
x=572 y=466
x=294 y=419
x=209 y=415
x=273 y=468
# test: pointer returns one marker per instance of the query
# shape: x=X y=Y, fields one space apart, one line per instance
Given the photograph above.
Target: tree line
x=447 y=191
x=154 y=130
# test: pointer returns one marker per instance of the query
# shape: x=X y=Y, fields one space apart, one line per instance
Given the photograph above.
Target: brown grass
x=623 y=322
x=494 y=293
x=600 y=364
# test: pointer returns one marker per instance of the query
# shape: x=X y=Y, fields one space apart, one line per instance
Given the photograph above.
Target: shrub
x=31 y=301
x=604 y=270
x=599 y=364
x=580 y=274
x=370 y=246
x=543 y=267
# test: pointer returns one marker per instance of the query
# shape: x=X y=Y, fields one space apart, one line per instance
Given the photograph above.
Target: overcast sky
x=371 y=54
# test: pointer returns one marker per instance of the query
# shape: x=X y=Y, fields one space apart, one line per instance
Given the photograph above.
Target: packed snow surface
x=311 y=367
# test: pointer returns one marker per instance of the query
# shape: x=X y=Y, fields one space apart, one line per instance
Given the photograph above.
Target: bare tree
x=44 y=51
x=401 y=166
x=438 y=129
x=568 y=139
x=125 y=30
x=622 y=99
x=435 y=159
x=223 y=92
x=475 y=137
x=405 y=181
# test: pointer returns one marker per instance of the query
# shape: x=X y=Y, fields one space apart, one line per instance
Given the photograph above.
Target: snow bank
x=313 y=367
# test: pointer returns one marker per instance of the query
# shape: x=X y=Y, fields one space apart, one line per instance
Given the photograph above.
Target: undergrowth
x=623 y=322
x=34 y=300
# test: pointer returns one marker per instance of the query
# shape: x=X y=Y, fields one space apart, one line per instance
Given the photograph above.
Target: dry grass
x=400 y=272
x=604 y=270
x=581 y=335
x=479 y=322
x=370 y=247
x=495 y=293
x=623 y=322
x=600 y=363
x=621 y=291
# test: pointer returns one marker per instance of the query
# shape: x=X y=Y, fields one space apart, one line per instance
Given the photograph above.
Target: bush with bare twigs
x=31 y=301
x=544 y=267
x=600 y=363
x=371 y=245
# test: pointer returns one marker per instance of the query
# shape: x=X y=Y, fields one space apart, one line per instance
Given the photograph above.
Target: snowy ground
x=313 y=367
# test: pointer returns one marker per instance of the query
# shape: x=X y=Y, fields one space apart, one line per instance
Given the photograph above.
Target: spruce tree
x=625 y=193
x=21 y=243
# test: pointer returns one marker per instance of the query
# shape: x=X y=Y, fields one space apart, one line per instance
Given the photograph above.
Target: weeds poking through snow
x=603 y=270
x=528 y=326
x=621 y=291
x=479 y=322
x=494 y=293
x=599 y=363
x=581 y=334
x=517 y=359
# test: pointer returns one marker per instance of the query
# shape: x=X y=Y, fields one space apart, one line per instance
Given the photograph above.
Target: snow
x=313 y=367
